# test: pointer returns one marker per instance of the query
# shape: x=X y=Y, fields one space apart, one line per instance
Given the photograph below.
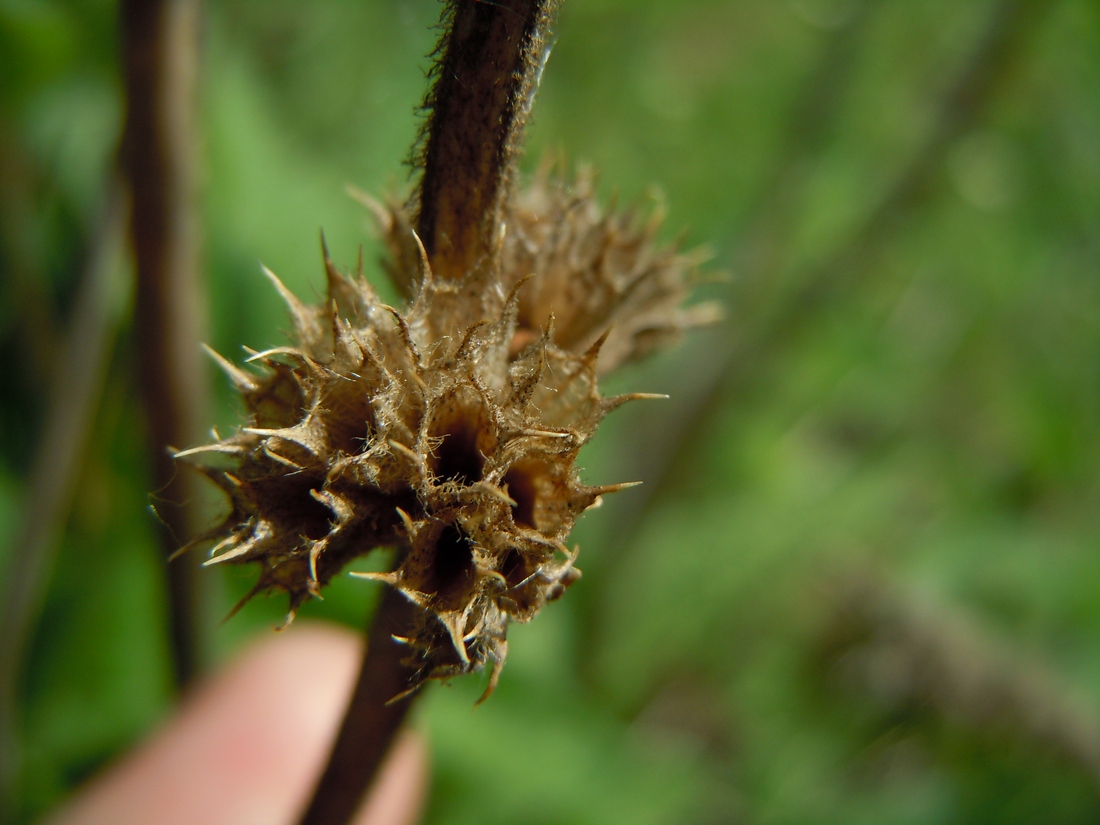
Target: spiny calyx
x=448 y=430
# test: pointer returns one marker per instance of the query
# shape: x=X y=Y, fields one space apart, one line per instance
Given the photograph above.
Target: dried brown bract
x=597 y=273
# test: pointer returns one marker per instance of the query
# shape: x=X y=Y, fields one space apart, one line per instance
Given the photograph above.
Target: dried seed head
x=449 y=430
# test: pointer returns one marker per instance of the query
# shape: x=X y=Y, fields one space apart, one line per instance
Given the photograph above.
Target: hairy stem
x=159 y=68
x=490 y=59
x=372 y=720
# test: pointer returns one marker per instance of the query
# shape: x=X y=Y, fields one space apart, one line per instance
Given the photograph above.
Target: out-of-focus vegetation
x=862 y=581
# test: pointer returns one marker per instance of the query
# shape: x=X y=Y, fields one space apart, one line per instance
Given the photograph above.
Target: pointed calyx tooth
x=385 y=578
x=407 y=523
x=297 y=308
x=233 y=553
x=607 y=489
x=241 y=379
x=494 y=675
x=206 y=450
x=495 y=492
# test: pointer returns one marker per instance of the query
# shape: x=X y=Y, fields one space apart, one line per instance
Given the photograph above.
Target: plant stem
x=371 y=721
x=490 y=59
x=942 y=662
x=159 y=68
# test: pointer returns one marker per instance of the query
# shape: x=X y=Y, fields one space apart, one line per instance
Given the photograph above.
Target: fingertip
x=398 y=795
x=244 y=748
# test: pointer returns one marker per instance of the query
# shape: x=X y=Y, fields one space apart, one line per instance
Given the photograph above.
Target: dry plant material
x=449 y=429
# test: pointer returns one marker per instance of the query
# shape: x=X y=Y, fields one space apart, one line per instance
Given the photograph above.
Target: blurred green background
x=861 y=583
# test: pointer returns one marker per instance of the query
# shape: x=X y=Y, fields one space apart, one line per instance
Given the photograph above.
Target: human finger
x=246 y=748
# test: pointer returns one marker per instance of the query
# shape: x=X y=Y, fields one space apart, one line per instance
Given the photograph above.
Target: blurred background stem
x=887 y=645
x=79 y=373
x=160 y=65
x=156 y=194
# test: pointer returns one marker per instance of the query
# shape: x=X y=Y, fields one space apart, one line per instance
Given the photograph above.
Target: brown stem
x=372 y=720
x=159 y=68
x=490 y=58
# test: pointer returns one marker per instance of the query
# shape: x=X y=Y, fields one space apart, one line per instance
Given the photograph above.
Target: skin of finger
x=397 y=798
x=246 y=747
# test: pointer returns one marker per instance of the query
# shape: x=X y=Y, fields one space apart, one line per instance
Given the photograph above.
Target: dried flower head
x=448 y=430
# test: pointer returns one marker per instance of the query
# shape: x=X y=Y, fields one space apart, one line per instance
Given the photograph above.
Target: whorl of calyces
x=448 y=430
x=377 y=428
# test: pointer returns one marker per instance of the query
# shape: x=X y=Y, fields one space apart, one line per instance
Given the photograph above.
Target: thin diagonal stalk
x=78 y=383
x=159 y=69
x=943 y=662
x=768 y=321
